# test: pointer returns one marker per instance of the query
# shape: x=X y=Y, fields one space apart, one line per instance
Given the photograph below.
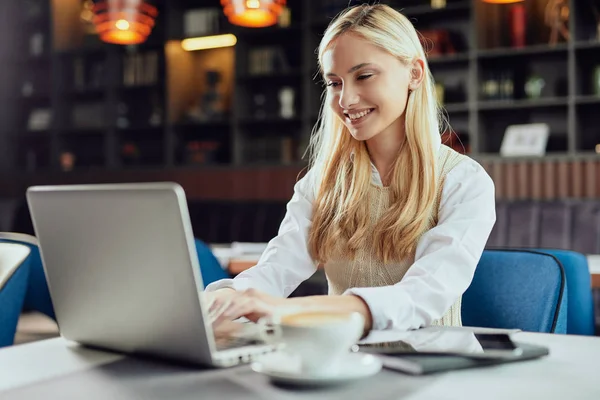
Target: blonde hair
x=342 y=164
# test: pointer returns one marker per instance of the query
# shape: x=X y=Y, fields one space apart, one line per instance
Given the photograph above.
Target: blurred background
x=221 y=96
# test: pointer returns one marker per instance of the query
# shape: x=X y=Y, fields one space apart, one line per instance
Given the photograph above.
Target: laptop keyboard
x=236 y=342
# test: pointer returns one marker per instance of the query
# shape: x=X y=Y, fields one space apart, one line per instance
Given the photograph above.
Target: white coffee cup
x=319 y=339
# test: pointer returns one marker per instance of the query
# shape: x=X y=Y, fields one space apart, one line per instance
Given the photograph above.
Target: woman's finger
x=241 y=307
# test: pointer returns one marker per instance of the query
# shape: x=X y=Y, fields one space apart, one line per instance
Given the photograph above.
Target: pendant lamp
x=253 y=13
x=124 y=21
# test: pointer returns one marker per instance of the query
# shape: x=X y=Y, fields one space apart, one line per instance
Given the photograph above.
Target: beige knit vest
x=366 y=271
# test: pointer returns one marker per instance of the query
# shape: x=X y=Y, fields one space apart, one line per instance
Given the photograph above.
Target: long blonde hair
x=342 y=164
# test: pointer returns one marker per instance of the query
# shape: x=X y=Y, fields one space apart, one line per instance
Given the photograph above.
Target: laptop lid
x=122 y=268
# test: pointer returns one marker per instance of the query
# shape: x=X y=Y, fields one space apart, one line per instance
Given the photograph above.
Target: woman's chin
x=360 y=134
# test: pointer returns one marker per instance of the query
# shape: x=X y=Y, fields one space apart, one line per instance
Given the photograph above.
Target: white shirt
x=445 y=259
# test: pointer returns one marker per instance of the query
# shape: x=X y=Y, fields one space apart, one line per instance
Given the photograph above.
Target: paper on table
x=248 y=248
x=594 y=263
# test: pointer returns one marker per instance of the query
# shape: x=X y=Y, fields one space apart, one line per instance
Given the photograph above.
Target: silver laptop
x=123 y=273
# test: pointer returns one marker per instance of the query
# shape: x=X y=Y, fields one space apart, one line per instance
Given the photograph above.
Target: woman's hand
x=217 y=301
x=228 y=305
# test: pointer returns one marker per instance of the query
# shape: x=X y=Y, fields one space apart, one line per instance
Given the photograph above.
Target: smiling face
x=368 y=87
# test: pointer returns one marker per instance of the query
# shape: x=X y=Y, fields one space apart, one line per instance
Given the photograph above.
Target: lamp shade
x=124 y=21
x=253 y=13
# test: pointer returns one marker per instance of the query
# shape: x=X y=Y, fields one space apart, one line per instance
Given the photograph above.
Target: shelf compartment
x=88 y=150
x=141 y=148
x=492 y=126
x=527 y=51
x=33 y=151
x=588 y=129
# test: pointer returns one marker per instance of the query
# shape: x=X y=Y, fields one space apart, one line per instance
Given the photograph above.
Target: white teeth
x=358 y=115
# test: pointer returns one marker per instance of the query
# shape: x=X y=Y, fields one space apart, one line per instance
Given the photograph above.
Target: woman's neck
x=383 y=149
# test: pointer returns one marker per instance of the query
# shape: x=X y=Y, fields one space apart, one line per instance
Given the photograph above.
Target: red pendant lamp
x=124 y=21
x=253 y=13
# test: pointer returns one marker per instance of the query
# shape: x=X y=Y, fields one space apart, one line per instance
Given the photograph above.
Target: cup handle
x=268 y=331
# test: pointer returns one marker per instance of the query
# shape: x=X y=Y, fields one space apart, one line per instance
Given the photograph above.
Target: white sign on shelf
x=525 y=140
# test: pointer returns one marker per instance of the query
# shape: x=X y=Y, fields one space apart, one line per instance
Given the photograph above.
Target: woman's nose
x=348 y=97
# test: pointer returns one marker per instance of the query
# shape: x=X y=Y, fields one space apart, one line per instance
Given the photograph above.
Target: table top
x=70 y=371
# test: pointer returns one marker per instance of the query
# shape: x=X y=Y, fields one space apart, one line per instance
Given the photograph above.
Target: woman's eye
x=363 y=77
x=333 y=84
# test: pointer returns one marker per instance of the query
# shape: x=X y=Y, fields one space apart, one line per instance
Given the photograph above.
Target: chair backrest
x=37 y=297
x=519 y=289
x=580 y=315
x=14 y=272
x=210 y=268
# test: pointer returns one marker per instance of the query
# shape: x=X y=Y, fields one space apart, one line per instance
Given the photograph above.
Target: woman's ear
x=417 y=74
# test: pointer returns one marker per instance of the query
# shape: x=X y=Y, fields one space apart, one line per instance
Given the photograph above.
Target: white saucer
x=283 y=369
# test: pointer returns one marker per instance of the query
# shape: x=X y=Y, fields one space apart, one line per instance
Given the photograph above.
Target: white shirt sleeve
x=446 y=255
x=285 y=263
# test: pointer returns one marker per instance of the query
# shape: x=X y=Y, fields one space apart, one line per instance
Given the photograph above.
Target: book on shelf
x=140 y=69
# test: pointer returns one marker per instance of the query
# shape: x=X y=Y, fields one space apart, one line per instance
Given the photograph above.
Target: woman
x=397 y=220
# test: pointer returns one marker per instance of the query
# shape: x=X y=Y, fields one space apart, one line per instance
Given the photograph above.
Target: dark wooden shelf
x=36 y=97
x=83 y=51
x=143 y=47
x=456 y=107
x=414 y=12
x=534 y=50
x=295 y=73
x=427 y=10
x=96 y=92
x=203 y=124
x=270 y=121
x=243 y=33
x=211 y=181
x=587 y=99
x=30 y=60
x=587 y=45
x=46 y=133
x=492 y=105
x=75 y=132
x=141 y=129
x=141 y=87
x=182 y=78
x=449 y=59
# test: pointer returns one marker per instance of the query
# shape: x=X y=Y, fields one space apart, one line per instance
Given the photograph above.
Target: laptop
x=124 y=276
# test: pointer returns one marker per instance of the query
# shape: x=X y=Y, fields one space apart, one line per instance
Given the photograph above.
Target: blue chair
x=14 y=273
x=210 y=267
x=37 y=297
x=580 y=315
x=517 y=289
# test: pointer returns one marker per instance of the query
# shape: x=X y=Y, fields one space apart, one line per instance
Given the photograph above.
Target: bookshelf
x=156 y=106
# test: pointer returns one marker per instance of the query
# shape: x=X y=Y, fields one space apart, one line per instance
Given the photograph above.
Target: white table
x=594 y=266
x=233 y=259
x=56 y=368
